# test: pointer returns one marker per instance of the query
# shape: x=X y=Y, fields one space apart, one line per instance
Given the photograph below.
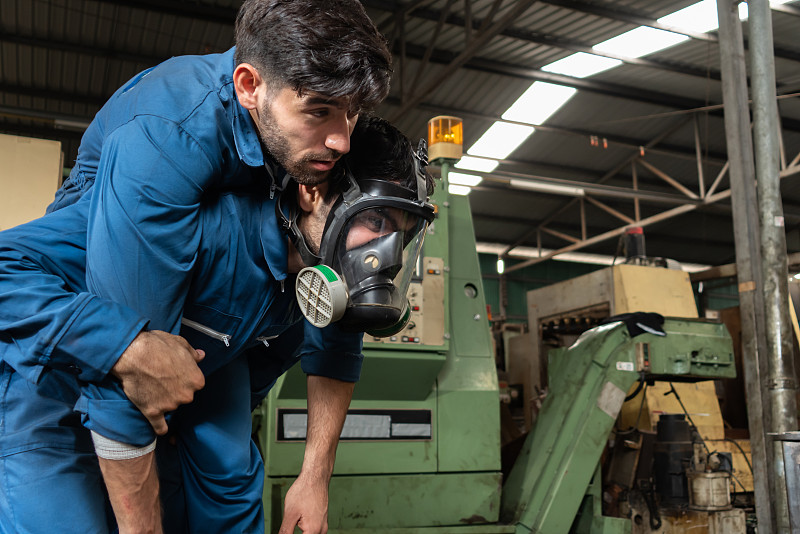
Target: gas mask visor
x=369 y=253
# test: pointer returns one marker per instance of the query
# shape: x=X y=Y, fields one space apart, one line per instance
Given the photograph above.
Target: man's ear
x=248 y=82
x=311 y=197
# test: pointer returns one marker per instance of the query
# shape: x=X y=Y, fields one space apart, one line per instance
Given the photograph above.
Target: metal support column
x=781 y=401
x=748 y=250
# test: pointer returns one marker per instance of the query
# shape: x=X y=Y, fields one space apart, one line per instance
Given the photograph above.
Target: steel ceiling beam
x=193 y=10
x=628 y=16
x=494 y=217
x=671 y=213
x=41 y=92
x=563 y=43
x=720 y=211
x=412 y=51
x=577 y=46
x=479 y=40
x=429 y=50
x=660 y=217
x=712 y=158
x=593 y=189
x=628 y=161
x=636 y=94
x=642 y=20
x=45 y=116
x=79 y=48
x=667 y=150
x=39 y=131
x=227 y=16
x=436 y=56
x=788 y=10
x=792 y=125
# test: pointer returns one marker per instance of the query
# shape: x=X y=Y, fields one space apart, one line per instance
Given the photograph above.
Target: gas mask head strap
x=288 y=214
x=420 y=162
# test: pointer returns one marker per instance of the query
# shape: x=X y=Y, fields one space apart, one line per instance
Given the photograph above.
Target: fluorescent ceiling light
x=470 y=163
x=544 y=187
x=640 y=42
x=501 y=266
x=538 y=103
x=458 y=189
x=500 y=140
x=457 y=178
x=582 y=65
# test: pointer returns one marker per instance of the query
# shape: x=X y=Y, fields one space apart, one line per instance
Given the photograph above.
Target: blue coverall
x=77 y=286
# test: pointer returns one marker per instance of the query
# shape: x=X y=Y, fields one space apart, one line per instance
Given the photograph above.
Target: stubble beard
x=276 y=143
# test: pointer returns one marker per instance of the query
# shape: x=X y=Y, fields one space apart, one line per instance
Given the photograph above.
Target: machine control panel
x=426 y=300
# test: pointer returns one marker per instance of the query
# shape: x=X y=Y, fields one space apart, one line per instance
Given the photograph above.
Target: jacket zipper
x=225 y=338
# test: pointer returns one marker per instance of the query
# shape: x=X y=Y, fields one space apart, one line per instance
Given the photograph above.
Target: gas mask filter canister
x=322 y=295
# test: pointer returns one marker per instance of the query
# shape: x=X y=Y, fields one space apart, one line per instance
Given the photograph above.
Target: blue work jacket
x=238 y=299
x=147 y=240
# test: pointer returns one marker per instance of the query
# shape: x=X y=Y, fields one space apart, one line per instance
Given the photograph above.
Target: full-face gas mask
x=369 y=249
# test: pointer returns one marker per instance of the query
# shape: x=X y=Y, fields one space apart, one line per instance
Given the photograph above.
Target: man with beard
x=236 y=310
x=165 y=144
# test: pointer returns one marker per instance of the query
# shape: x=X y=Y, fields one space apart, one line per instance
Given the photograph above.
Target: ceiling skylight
x=539 y=102
x=458 y=178
x=700 y=17
x=459 y=189
x=471 y=163
x=640 y=42
x=581 y=65
x=500 y=140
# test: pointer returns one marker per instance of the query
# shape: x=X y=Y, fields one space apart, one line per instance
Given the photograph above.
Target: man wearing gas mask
x=359 y=274
x=361 y=231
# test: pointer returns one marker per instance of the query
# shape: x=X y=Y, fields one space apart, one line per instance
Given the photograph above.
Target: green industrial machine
x=420 y=451
x=552 y=479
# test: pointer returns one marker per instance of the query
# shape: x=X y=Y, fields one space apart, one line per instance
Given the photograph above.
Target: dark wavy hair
x=379 y=150
x=326 y=46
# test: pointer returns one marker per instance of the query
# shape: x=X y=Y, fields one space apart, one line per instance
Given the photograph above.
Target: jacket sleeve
x=47 y=318
x=143 y=227
x=331 y=353
x=143 y=237
x=105 y=409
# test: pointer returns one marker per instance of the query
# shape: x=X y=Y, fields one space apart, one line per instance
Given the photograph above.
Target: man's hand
x=306 y=506
x=159 y=372
x=133 y=491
